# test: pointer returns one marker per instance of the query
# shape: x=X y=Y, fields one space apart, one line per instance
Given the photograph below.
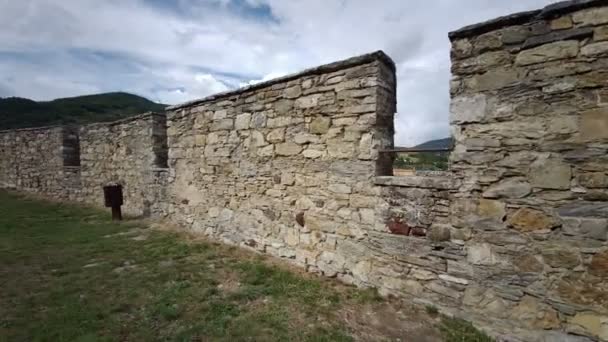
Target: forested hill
x=444 y=143
x=18 y=112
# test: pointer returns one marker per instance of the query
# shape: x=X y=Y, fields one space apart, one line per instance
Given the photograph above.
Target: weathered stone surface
x=529 y=220
x=288 y=149
x=600 y=33
x=592 y=323
x=340 y=188
x=276 y=135
x=535 y=315
x=557 y=336
x=549 y=52
x=582 y=289
x=515 y=34
x=461 y=48
x=258 y=120
x=242 y=121
x=595 y=49
x=599 y=264
x=535 y=145
x=468 y=109
x=591 y=17
x=320 y=125
x=562 y=23
x=594 y=125
x=224 y=124
x=509 y=188
x=560 y=257
x=528 y=263
x=491 y=209
x=495 y=79
x=550 y=173
x=584 y=209
x=593 y=228
x=538 y=40
x=487 y=41
x=425 y=182
x=593 y=180
x=308 y=101
x=481 y=254
x=439 y=233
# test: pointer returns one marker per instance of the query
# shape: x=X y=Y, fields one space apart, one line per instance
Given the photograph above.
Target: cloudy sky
x=171 y=51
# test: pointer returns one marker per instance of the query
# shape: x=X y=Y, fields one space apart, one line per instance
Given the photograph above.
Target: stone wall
x=514 y=237
x=416 y=205
x=530 y=120
x=130 y=152
x=36 y=160
x=74 y=163
x=287 y=167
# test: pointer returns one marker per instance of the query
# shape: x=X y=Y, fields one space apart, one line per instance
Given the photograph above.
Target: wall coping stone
x=101 y=123
x=326 y=68
x=548 y=12
x=584 y=209
x=41 y=128
x=427 y=182
x=125 y=120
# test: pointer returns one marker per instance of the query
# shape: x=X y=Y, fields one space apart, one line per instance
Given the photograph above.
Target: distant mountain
x=437 y=144
x=18 y=112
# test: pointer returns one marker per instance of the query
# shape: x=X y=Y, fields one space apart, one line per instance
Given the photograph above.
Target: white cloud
x=268 y=77
x=189 y=49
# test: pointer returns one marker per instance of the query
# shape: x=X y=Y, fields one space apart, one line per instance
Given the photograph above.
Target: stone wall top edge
x=123 y=121
x=549 y=11
x=30 y=129
x=103 y=123
x=326 y=68
x=444 y=182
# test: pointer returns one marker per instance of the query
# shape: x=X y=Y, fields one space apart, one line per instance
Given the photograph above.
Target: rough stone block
x=515 y=34
x=594 y=125
x=591 y=17
x=223 y=124
x=595 y=49
x=562 y=23
x=549 y=52
x=550 y=173
x=579 y=33
x=533 y=314
x=529 y=220
x=593 y=180
x=468 y=109
x=494 y=79
x=439 y=233
x=599 y=264
x=590 y=323
x=461 y=48
x=258 y=120
x=288 y=149
x=600 y=34
x=308 y=101
x=588 y=227
x=509 y=188
x=487 y=41
x=560 y=256
x=242 y=121
x=320 y=125
x=481 y=254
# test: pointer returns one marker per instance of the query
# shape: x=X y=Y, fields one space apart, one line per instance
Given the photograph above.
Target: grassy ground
x=69 y=274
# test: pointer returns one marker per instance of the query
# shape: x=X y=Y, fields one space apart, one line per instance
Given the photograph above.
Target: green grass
x=458 y=330
x=432 y=310
x=67 y=273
